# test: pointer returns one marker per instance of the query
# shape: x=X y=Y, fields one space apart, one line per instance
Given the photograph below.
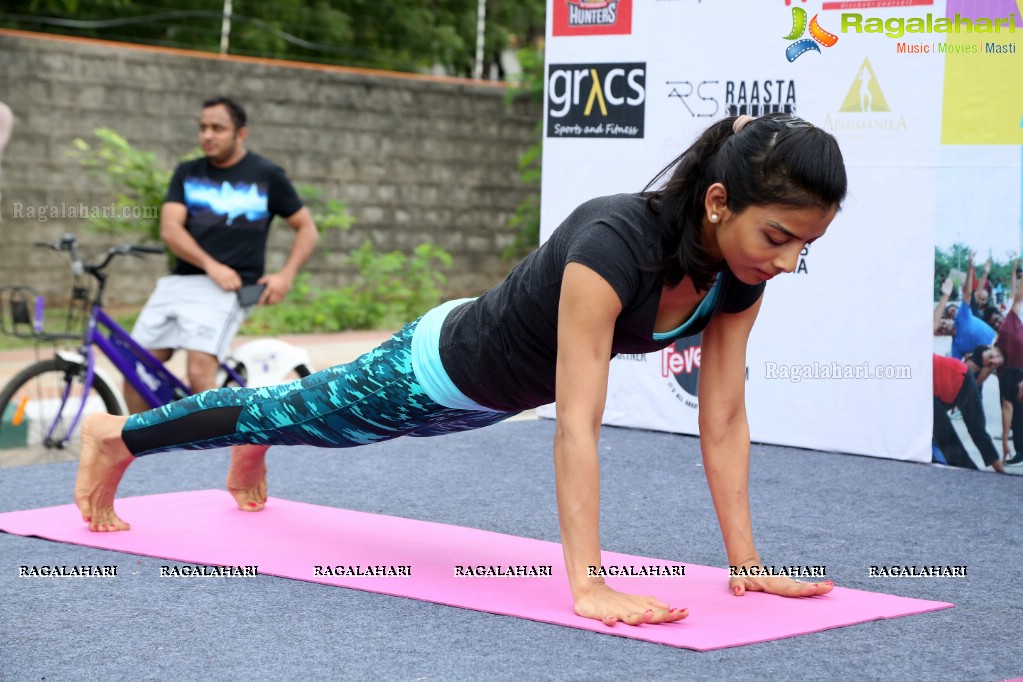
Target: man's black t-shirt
x=230 y=209
x=501 y=349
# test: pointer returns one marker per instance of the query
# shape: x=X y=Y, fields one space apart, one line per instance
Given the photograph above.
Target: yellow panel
x=983 y=94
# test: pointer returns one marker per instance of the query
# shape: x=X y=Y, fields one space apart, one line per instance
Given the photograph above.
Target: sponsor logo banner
x=709 y=98
x=596 y=100
x=592 y=17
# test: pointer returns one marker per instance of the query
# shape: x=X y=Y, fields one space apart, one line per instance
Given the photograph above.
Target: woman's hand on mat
x=602 y=603
x=783 y=586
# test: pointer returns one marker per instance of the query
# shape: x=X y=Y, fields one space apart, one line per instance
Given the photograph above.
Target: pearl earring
x=713 y=217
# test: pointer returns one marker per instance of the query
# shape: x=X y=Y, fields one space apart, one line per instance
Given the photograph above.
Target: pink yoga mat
x=289 y=539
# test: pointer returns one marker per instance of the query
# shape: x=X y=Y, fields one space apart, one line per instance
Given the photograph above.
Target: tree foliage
x=954 y=261
x=402 y=35
x=526 y=218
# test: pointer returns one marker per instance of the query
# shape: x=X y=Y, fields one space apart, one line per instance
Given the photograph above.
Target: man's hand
x=225 y=276
x=277 y=287
x=610 y=607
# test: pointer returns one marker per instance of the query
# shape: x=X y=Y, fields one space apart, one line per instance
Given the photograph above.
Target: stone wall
x=414 y=158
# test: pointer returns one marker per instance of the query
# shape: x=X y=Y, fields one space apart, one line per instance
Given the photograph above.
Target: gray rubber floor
x=809 y=508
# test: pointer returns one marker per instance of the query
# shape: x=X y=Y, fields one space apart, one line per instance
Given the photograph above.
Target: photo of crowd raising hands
x=979 y=335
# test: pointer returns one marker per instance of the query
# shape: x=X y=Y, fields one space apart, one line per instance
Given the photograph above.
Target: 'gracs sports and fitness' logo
x=800 y=26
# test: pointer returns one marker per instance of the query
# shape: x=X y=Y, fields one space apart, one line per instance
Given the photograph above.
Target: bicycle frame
x=146 y=374
x=265 y=361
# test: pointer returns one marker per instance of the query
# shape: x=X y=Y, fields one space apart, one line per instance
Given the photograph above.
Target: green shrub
x=135 y=176
x=392 y=289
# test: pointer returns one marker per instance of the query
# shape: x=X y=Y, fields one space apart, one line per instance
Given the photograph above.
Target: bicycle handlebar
x=70 y=243
x=66 y=243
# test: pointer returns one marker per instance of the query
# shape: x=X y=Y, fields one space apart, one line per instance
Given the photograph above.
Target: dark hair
x=234 y=110
x=774 y=159
x=978 y=355
x=990 y=312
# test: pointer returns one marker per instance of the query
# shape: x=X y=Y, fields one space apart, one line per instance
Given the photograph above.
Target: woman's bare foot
x=246 y=479
x=104 y=461
x=602 y=603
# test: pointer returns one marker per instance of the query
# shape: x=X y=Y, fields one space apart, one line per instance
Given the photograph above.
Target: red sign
x=592 y=17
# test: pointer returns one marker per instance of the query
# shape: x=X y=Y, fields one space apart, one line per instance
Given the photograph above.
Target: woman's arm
x=1017 y=294
x=983 y=278
x=588 y=310
x=725 y=441
x=939 y=312
x=968 y=284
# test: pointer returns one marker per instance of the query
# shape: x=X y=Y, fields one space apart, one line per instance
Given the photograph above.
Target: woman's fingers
x=784 y=587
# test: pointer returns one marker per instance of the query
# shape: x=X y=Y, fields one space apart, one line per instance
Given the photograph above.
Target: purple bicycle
x=45 y=403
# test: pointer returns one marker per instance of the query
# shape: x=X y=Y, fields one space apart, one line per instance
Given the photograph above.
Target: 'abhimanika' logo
x=865 y=93
x=865 y=109
x=818 y=36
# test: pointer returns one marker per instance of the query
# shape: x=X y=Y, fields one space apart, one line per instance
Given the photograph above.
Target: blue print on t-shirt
x=225 y=199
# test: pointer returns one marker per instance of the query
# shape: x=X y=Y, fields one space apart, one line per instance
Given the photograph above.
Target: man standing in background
x=216 y=220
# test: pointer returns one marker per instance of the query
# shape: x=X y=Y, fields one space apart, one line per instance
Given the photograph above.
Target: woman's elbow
x=720 y=421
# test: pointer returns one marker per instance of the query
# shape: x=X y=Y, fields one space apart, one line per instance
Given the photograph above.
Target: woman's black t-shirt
x=501 y=349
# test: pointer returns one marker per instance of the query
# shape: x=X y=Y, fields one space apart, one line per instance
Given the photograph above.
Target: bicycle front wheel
x=39 y=405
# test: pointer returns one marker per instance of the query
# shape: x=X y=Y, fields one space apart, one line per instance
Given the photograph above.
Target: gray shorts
x=189 y=312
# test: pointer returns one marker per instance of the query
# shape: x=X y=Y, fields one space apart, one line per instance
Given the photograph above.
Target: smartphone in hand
x=249 y=294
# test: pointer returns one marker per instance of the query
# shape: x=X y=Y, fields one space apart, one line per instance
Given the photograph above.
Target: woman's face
x=764 y=241
x=993 y=358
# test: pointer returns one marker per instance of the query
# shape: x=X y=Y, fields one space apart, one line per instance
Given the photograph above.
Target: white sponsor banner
x=840 y=356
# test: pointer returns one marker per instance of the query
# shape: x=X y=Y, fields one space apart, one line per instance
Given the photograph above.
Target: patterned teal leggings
x=374 y=398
